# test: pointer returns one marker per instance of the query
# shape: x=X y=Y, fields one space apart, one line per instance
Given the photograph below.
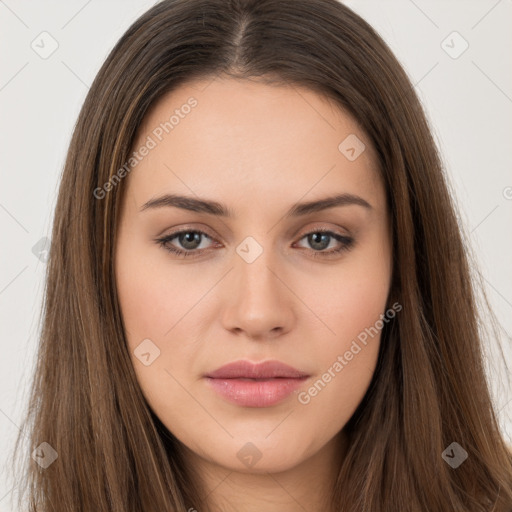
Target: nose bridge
x=255 y=266
x=259 y=301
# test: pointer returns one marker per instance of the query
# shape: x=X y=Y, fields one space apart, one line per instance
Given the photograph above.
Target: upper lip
x=249 y=370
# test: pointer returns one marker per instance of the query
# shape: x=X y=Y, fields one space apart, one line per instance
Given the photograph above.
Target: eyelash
x=346 y=243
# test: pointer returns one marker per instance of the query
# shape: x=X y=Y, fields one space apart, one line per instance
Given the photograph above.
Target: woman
x=258 y=296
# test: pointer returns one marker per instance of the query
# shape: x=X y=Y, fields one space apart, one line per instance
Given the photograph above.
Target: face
x=270 y=273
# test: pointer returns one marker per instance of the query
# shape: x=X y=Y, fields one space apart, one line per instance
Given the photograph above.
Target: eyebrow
x=214 y=208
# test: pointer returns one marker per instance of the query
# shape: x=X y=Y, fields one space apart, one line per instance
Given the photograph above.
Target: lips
x=264 y=370
x=255 y=384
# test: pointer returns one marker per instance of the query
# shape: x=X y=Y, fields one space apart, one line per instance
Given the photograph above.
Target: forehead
x=231 y=137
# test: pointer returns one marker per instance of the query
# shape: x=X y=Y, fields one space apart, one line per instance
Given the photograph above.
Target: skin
x=258 y=149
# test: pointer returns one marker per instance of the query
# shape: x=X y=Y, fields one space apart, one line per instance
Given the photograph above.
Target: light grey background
x=468 y=98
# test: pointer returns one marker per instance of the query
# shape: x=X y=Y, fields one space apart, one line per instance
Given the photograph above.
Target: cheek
x=349 y=300
x=154 y=308
x=159 y=302
x=352 y=305
x=153 y=299
x=346 y=361
x=331 y=398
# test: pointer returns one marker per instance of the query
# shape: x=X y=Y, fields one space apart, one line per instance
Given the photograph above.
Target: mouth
x=255 y=384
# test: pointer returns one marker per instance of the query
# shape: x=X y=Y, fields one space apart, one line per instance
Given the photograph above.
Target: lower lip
x=255 y=393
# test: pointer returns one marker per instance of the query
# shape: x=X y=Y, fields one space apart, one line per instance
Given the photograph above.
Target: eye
x=320 y=239
x=191 y=240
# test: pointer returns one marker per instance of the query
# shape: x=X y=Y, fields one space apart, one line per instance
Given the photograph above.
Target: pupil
x=190 y=238
x=315 y=240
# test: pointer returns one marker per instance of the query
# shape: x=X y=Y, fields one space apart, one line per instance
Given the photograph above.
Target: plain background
x=467 y=95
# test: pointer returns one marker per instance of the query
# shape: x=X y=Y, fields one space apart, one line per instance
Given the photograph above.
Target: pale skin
x=257 y=149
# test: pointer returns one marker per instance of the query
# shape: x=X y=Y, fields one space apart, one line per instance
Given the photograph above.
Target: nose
x=258 y=301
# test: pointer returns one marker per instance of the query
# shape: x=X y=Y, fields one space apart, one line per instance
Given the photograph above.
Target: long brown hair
x=429 y=389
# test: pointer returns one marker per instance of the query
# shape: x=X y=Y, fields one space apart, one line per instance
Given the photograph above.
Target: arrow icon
x=146 y=352
x=454 y=455
x=351 y=147
x=44 y=455
x=249 y=253
x=249 y=454
x=44 y=44
x=454 y=45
